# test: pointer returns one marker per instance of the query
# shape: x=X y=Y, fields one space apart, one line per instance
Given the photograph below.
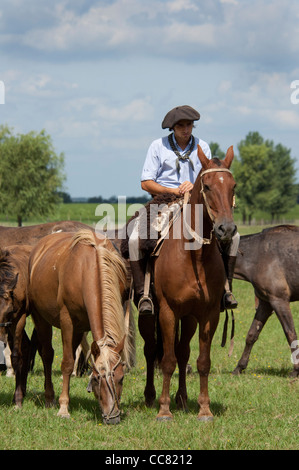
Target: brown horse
x=31 y=234
x=189 y=278
x=269 y=261
x=76 y=283
x=13 y=286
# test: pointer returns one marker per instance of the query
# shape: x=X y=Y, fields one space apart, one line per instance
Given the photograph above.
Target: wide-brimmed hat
x=179 y=113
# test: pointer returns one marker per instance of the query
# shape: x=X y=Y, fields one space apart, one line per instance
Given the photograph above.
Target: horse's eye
x=206 y=187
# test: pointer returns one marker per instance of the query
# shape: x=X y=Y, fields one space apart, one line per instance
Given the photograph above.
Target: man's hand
x=184 y=187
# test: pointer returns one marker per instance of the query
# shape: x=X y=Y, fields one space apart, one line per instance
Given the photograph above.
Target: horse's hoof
x=205 y=419
x=237 y=371
x=50 y=404
x=63 y=414
x=294 y=374
x=164 y=417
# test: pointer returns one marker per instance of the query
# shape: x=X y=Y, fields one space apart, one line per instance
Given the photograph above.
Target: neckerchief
x=179 y=156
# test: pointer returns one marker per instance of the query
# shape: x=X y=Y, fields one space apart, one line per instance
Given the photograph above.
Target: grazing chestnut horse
x=189 y=278
x=77 y=283
x=269 y=261
x=10 y=238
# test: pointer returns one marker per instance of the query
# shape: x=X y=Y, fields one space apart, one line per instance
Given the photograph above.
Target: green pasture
x=92 y=213
x=257 y=410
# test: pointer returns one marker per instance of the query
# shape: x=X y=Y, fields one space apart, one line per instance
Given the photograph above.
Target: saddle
x=161 y=212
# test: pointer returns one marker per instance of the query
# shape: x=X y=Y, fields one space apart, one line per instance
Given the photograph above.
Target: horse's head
x=217 y=187
x=8 y=281
x=107 y=378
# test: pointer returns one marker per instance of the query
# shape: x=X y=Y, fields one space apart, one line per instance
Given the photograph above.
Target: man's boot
x=229 y=301
x=142 y=302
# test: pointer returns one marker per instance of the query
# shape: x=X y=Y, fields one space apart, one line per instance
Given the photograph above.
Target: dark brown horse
x=13 y=286
x=269 y=261
x=76 y=283
x=189 y=280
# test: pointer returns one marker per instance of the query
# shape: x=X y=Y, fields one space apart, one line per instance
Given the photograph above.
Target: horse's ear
x=203 y=159
x=120 y=345
x=229 y=157
x=95 y=350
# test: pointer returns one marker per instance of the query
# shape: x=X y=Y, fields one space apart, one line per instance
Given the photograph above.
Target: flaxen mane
x=112 y=273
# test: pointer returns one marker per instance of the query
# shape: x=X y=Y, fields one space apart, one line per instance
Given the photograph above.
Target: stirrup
x=229 y=304
x=145 y=311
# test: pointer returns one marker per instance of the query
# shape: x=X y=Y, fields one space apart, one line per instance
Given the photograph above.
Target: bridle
x=109 y=377
x=8 y=323
x=193 y=233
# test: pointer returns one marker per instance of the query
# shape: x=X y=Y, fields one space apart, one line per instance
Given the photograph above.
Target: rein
x=193 y=233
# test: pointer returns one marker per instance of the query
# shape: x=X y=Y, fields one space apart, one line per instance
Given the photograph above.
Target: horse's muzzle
x=225 y=231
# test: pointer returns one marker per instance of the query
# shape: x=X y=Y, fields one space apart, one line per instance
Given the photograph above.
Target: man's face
x=183 y=130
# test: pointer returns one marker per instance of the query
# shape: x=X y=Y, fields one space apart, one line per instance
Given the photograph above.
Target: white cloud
x=219 y=30
x=179 y=5
x=100 y=75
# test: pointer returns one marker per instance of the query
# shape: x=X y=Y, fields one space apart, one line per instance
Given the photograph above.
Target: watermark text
x=295 y=93
x=152 y=223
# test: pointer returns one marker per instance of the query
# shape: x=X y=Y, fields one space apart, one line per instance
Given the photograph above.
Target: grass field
x=257 y=410
x=86 y=213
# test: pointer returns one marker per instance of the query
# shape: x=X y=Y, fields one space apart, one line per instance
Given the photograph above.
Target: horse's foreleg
x=263 y=312
x=147 y=329
x=68 y=361
x=206 y=332
x=168 y=363
x=188 y=328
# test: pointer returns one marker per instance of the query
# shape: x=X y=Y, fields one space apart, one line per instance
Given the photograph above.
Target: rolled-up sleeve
x=152 y=164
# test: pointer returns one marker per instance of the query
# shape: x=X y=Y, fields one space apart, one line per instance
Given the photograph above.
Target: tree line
x=32 y=176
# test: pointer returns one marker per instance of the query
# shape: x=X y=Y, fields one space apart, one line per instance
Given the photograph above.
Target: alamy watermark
x=152 y=223
x=2 y=92
x=295 y=94
x=295 y=354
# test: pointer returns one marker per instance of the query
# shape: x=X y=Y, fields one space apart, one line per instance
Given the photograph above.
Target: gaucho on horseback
x=171 y=167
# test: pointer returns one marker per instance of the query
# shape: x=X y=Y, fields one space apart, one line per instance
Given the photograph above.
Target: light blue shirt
x=160 y=163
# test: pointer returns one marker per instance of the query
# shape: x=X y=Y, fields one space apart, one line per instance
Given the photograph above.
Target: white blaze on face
x=221 y=179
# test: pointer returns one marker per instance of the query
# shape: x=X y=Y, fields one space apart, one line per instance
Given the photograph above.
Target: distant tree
x=95 y=199
x=265 y=176
x=66 y=197
x=31 y=174
x=216 y=150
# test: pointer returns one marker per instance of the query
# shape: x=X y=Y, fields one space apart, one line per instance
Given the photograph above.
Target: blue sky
x=99 y=77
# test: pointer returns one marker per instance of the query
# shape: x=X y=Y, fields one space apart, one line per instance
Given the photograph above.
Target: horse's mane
x=112 y=272
x=7 y=272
